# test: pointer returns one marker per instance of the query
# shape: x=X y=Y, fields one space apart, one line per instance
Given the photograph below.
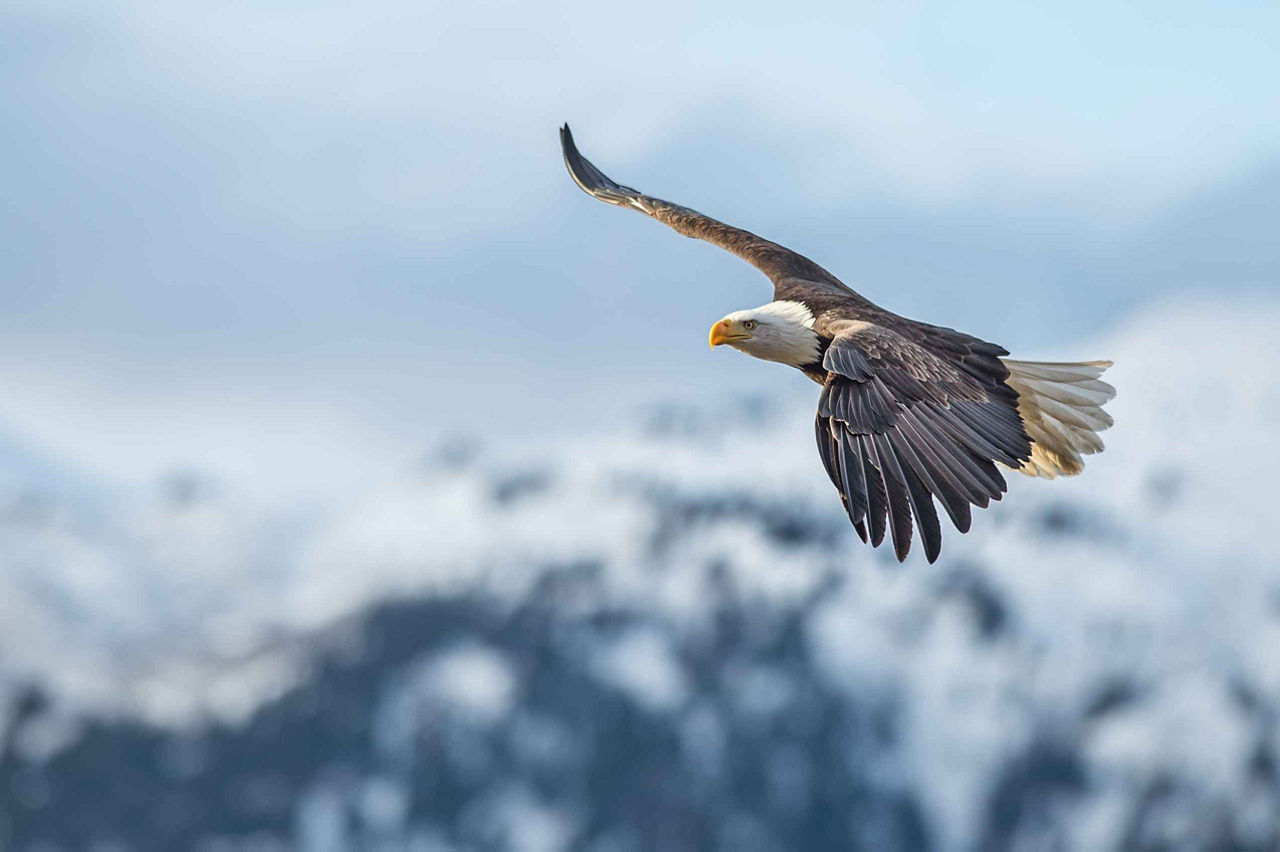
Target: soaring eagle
x=909 y=412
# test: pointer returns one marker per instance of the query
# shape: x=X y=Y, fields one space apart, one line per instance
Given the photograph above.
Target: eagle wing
x=901 y=422
x=784 y=267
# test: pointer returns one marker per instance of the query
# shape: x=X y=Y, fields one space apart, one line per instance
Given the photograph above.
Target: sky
x=295 y=246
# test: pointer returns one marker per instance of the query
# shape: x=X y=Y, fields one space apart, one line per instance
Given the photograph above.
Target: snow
x=475 y=681
x=1157 y=569
x=642 y=665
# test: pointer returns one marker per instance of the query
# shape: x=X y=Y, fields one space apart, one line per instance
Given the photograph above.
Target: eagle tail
x=1061 y=407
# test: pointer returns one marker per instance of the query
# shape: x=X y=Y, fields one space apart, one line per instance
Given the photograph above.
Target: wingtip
x=573 y=159
x=566 y=139
x=589 y=178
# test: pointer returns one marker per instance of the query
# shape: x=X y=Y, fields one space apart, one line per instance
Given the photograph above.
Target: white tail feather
x=1061 y=408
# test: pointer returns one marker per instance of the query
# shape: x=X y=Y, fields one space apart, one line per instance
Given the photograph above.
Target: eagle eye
x=748 y=324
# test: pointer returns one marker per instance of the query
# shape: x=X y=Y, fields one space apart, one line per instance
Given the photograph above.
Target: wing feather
x=932 y=474
x=912 y=425
x=828 y=450
x=901 y=500
x=855 y=479
x=981 y=470
x=784 y=267
x=961 y=432
x=877 y=498
x=959 y=464
x=920 y=487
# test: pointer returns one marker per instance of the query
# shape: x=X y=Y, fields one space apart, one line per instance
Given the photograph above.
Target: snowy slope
x=1121 y=629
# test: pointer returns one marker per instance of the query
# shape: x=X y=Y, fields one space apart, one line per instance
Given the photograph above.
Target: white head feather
x=780 y=331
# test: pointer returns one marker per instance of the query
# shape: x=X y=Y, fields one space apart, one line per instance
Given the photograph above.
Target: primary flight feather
x=909 y=412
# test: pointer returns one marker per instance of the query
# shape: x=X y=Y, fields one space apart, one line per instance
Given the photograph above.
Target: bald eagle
x=909 y=412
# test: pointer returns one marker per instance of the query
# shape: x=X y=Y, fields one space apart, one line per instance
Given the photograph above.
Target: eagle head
x=779 y=331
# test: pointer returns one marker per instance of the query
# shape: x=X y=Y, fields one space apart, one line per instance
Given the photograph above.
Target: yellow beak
x=722 y=332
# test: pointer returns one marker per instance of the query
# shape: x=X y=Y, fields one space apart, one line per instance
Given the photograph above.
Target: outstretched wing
x=782 y=265
x=900 y=424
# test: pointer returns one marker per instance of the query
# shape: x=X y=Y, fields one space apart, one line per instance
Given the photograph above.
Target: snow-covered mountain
x=669 y=637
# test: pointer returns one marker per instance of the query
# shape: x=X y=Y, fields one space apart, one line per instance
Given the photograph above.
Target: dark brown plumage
x=908 y=411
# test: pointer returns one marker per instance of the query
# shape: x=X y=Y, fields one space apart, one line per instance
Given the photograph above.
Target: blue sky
x=295 y=245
